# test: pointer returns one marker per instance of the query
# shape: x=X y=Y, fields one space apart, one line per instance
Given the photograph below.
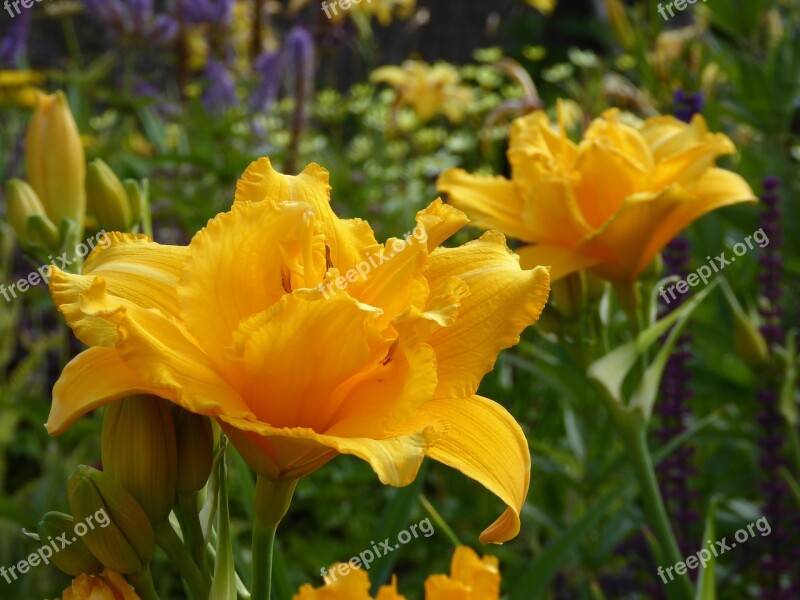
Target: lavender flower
x=220 y=93
x=212 y=12
x=15 y=42
x=134 y=17
x=269 y=66
x=687 y=105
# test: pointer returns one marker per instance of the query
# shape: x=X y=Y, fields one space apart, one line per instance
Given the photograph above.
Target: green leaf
x=706 y=585
x=611 y=370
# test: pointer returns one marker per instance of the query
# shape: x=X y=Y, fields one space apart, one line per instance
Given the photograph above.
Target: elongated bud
x=569 y=295
x=139 y=452
x=620 y=23
x=107 y=197
x=27 y=216
x=126 y=543
x=74 y=559
x=55 y=160
x=748 y=342
x=136 y=200
x=195 y=443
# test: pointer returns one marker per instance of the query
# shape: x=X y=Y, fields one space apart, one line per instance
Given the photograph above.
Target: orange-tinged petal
x=536 y=149
x=625 y=139
x=92 y=379
x=362 y=380
x=503 y=300
x=441 y=587
x=551 y=214
x=349 y=240
x=482 y=575
x=562 y=261
x=389 y=592
x=485 y=443
x=490 y=202
x=243 y=262
x=353 y=585
x=645 y=224
x=396 y=460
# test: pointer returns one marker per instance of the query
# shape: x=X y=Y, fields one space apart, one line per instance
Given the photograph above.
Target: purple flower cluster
x=777 y=563
x=212 y=12
x=687 y=105
x=136 y=18
x=15 y=42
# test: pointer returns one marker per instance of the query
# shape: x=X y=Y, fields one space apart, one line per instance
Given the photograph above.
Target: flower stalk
x=272 y=501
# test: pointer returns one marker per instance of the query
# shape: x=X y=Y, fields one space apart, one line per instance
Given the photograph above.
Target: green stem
x=634 y=434
x=179 y=556
x=272 y=501
x=193 y=531
x=143 y=584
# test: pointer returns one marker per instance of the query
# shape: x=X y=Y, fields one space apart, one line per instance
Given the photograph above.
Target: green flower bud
x=569 y=295
x=195 y=442
x=75 y=558
x=748 y=342
x=126 y=543
x=27 y=216
x=136 y=200
x=107 y=197
x=139 y=452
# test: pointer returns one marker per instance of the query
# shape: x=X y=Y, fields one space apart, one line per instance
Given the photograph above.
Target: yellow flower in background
x=21 y=87
x=108 y=586
x=471 y=578
x=55 y=160
x=430 y=90
x=545 y=7
x=354 y=585
x=609 y=203
x=306 y=338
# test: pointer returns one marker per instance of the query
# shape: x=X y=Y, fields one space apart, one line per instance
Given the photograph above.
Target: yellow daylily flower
x=429 y=90
x=609 y=203
x=471 y=578
x=545 y=7
x=353 y=585
x=264 y=323
x=108 y=586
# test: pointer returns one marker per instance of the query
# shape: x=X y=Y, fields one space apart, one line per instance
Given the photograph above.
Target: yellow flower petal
x=92 y=379
x=485 y=443
x=562 y=261
x=503 y=300
x=439 y=221
x=491 y=202
x=482 y=575
x=349 y=240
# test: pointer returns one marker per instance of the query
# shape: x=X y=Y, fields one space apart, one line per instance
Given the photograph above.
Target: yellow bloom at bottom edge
x=352 y=585
x=107 y=586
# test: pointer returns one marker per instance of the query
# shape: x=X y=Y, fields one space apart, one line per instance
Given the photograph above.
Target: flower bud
x=127 y=542
x=139 y=452
x=195 y=442
x=620 y=24
x=55 y=160
x=76 y=558
x=748 y=342
x=136 y=200
x=27 y=216
x=107 y=197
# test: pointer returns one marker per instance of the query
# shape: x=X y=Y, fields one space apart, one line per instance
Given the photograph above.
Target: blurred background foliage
x=187 y=97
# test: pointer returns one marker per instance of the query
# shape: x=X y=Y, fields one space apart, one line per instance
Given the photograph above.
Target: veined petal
x=645 y=224
x=396 y=460
x=243 y=262
x=439 y=221
x=486 y=444
x=92 y=379
x=562 y=261
x=492 y=202
x=349 y=240
x=503 y=300
x=536 y=149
